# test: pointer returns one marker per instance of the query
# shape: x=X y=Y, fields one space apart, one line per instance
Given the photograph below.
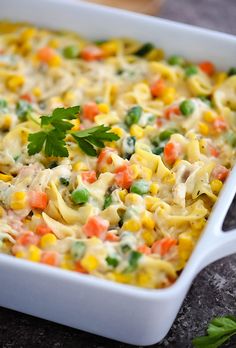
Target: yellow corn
x=15 y=82
x=136 y=131
x=219 y=78
x=69 y=98
x=6 y=122
x=135 y=170
x=5 y=177
x=169 y=95
x=186 y=245
x=34 y=253
x=216 y=186
x=24 y=137
x=37 y=92
x=48 y=240
x=18 y=200
x=117 y=130
x=103 y=108
x=27 y=34
x=147 y=220
x=155 y=54
x=76 y=124
x=55 y=61
x=20 y=255
x=148 y=237
x=79 y=166
x=132 y=199
x=209 y=116
x=123 y=194
x=203 y=128
x=89 y=262
x=146 y=173
x=123 y=278
x=143 y=279
x=154 y=188
x=110 y=48
x=131 y=225
x=67 y=263
x=2 y=211
x=53 y=43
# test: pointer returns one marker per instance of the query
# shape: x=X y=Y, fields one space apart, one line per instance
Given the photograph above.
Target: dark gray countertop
x=214 y=290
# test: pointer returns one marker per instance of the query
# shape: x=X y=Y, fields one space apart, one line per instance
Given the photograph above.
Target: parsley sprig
x=54 y=129
x=219 y=331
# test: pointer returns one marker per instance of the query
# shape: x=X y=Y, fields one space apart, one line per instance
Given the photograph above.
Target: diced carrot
x=214 y=152
x=38 y=200
x=79 y=268
x=104 y=158
x=50 y=258
x=172 y=111
x=163 y=245
x=89 y=176
x=43 y=229
x=45 y=54
x=28 y=97
x=220 y=125
x=112 y=237
x=160 y=122
x=220 y=172
x=96 y=226
x=90 y=110
x=207 y=67
x=27 y=238
x=124 y=177
x=157 y=88
x=171 y=152
x=144 y=249
x=91 y=53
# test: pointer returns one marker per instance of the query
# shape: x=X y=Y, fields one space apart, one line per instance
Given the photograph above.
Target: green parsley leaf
x=219 y=331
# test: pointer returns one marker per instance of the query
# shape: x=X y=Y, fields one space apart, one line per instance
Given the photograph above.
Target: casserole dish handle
x=215 y=243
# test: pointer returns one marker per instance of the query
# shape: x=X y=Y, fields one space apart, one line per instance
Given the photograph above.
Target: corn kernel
x=186 y=246
x=76 y=124
x=15 y=82
x=89 y=262
x=37 y=92
x=27 y=34
x=18 y=200
x=6 y=122
x=203 y=128
x=154 y=188
x=146 y=173
x=147 y=220
x=216 y=186
x=34 y=253
x=117 y=130
x=5 y=177
x=123 y=278
x=20 y=254
x=69 y=98
x=136 y=131
x=122 y=194
x=79 y=166
x=132 y=199
x=67 y=263
x=219 y=78
x=2 y=212
x=55 y=61
x=209 y=116
x=169 y=95
x=131 y=225
x=53 y=43
x=148 y=237
x=103 y=108
x=135 y=171
x=144 y=279
x=110 y=48
x=48 y=240
x=151 y=203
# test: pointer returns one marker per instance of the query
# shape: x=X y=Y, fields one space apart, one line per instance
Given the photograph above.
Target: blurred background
x=214 y=14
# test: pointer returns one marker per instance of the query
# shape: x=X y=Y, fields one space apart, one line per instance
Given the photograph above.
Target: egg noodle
x=133 y=213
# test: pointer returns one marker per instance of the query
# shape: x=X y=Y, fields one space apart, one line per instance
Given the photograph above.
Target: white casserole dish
x=121 y=312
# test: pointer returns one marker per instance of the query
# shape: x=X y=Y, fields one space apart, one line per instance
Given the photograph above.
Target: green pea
x=232 y=71
x=3 y=104
x=77 y=250
x=128 y=147
x=64 y=181
x=140 y=187
x=144 y=49
x=158 y=150
x=133 y=115
x=23 y=108
x=176 y=60
x=166 y=134
x=133 y=261
x=80 y=195
x=191 y=70
x=112 y=261
x=187 y=107
x=231 y=138
x=70 y=52
x=107 y=201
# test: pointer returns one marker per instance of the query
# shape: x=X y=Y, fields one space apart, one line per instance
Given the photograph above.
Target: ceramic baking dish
x=117 y=311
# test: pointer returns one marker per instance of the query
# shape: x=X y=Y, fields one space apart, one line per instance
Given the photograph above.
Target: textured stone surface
x=214 y=290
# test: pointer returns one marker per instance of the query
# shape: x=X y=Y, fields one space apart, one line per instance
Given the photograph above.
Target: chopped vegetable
x=133 y=261
x=38 y=200
x=133 y=115
x=96 y=226
x=144 y=49
x=158 y=150
x=231 y=138
x=80 y=195
x=232 y=71
x=158 y=88
x=107 y=201
x=171 y=152
x=90 y=111
x=187 y=107
x=128 y=146
x=89 y=176
x=71 y=52
x=23 y=108
x=64 y=181
x=112 y=261
x=78 y=250
x=166 y=134
x=3 y=104
x=207 y=67
x=123 y=176
x=191 y=70
x=92 y=53
x=45 y=54
x=140 y=187
x=163 y=246
x=176 y=60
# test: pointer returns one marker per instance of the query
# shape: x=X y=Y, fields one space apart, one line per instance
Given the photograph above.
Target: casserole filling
x=127 y=200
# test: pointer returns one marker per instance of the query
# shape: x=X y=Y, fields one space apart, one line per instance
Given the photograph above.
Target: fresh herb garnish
x=23 y=109
x=54 y=128
x=219 y=331
x=133 y=261
x=107 y=201
x=112 y=261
